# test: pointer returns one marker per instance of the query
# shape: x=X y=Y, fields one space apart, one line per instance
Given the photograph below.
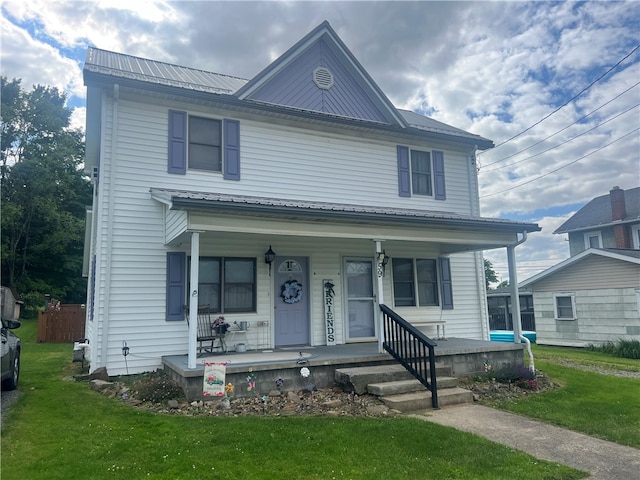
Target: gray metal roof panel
x=597 y=212
x=428 y=124
x=312 y=206
x=145 y=70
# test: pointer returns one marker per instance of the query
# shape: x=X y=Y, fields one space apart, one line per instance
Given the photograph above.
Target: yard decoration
x=291 y=291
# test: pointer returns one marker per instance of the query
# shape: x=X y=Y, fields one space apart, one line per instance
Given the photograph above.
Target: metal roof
x=190 y=200
x=152 y=71
x=126 y=67
x=597 y=212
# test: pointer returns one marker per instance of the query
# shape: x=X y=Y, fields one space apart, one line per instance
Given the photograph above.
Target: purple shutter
x=446 y=285
x=404 y=172
x=177 y=142
x=438 y=175
x=231 y=149
x=176 y=284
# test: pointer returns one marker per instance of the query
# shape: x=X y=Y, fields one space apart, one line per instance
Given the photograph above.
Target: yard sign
x=214 y=373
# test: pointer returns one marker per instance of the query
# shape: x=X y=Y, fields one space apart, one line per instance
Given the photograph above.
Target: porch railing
x=412 y=349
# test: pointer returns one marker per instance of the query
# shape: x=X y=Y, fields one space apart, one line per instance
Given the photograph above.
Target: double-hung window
x=415 y=282
x=565 y=306
x=593 y=240
x=227 y=285
x=205 y=144
x=421 y=178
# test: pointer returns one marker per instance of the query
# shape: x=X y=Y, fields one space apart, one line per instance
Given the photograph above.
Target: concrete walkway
x=602 y=459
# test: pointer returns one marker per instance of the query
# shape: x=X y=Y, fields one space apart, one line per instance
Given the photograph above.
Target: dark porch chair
x=207 y=336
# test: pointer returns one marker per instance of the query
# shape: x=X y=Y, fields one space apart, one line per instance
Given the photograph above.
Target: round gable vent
x=323 y=78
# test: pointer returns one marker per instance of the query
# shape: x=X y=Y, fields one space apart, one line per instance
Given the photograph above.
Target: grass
x=600 y=405
x=63 y=430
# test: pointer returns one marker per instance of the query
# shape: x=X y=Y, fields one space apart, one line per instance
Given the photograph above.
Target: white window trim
x=595 y=233
x=573 y=305
x=635 y=236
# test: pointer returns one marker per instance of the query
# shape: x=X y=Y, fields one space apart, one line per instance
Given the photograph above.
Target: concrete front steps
x=399 y=390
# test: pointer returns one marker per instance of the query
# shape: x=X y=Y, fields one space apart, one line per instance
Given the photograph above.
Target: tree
x=44 y=194
x=489 y=273
x=503 y=284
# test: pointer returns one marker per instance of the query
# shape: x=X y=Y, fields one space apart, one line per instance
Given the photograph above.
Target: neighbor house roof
x=631 y=256
x=597 y=213
x=103 y=67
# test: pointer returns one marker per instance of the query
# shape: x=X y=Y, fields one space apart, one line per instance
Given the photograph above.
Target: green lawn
x=62 y=430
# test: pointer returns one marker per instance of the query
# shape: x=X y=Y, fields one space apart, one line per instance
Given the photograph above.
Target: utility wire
x=568 y=101
x=561 y=130
x=561 y=167
x=563 y=143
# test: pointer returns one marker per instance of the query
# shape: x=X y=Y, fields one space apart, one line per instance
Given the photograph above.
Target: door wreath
x=291 y=291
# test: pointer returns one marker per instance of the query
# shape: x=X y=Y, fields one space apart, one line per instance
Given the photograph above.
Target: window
x=421 y=183
x=635 y=236
x=415 y=279
x=205 y=145
x=227 y=285
x=592 y=240
x=565 y=306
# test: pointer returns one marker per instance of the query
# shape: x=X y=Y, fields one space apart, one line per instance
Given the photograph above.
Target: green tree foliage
x=44 y=195
x=489 y=273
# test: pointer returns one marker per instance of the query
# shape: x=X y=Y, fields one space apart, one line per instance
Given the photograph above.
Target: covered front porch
x=464 y=357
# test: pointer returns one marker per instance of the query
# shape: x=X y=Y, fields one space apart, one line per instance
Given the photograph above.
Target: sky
x=555 y=85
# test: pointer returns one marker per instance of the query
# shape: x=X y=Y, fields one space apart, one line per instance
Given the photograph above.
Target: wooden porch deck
x=464 y=356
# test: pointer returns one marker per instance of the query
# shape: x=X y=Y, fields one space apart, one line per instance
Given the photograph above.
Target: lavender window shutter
x=231 y=149
x=177 y=142
x=404 y=173
x=438 y=175
x=176 y=284
x=446 y=284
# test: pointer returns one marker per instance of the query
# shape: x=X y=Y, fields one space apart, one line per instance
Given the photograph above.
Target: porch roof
x=222 y=203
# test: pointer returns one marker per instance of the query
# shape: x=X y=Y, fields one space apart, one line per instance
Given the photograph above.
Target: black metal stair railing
x=412 y=349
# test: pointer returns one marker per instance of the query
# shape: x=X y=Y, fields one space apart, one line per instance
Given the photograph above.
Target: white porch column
x=515 y=297
x=193 y=298
x=380 y=295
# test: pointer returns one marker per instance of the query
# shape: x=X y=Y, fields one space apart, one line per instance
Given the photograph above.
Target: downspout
x=109 y=243
x=515 y=299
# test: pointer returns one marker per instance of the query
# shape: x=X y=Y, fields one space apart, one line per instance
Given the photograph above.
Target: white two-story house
x=200 y=178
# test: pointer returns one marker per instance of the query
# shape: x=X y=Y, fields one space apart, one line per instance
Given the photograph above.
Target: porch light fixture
x=383 y=259
x=269 y=257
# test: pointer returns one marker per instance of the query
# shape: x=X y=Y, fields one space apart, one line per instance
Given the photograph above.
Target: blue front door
x=291 y=301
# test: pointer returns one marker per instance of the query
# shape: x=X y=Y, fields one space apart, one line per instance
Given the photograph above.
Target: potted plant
x=220 y=326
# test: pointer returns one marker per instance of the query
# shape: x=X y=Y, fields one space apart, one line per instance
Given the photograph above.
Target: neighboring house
x=593 y=296
x=200 y=178
x=590 y=298
x=608 y=221
x=500 y=315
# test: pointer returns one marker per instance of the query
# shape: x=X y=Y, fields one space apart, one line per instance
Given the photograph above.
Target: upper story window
x=205 y=144
x=635 y=236
x=592 y=240
x=421 y=172
x=202 y=143
x=421 y=183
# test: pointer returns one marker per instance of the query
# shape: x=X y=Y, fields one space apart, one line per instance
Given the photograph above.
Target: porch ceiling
x=268 y=216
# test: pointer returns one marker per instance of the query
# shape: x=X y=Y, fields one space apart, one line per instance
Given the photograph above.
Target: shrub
x=622 y=348
x=514 y=374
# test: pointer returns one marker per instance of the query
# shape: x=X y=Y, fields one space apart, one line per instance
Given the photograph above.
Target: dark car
x=10 y=355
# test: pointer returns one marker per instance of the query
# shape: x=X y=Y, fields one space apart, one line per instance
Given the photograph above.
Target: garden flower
x=304 y=371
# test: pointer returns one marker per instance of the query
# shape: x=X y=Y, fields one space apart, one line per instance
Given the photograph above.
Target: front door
x=291 y=301
x=361 y=300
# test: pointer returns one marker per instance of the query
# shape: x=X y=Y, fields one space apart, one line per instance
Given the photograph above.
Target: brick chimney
x=619 y=212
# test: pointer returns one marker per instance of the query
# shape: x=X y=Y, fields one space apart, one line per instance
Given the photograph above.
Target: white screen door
x=361 y=300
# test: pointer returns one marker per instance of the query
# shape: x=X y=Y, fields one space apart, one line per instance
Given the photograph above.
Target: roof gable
x=597 y=212
x=320 y=74
x=615 y=254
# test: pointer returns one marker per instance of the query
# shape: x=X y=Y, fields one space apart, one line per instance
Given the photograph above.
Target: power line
x=561 y=167
x=565 y=142
x=561 y=130
x=568 y=101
